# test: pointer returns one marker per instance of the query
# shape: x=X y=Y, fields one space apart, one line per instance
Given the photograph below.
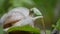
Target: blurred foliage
x=47 y=7
x=58 y=24
x=48 y=31
x=4 y=5
x=1 y=30
x=19 y=3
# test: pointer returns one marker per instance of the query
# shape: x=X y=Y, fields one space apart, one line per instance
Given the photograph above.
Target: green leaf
x=58 y=24
x=24 y=28
x=36 y=12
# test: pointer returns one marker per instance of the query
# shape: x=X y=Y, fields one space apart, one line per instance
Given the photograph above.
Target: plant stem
x=43 y=25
